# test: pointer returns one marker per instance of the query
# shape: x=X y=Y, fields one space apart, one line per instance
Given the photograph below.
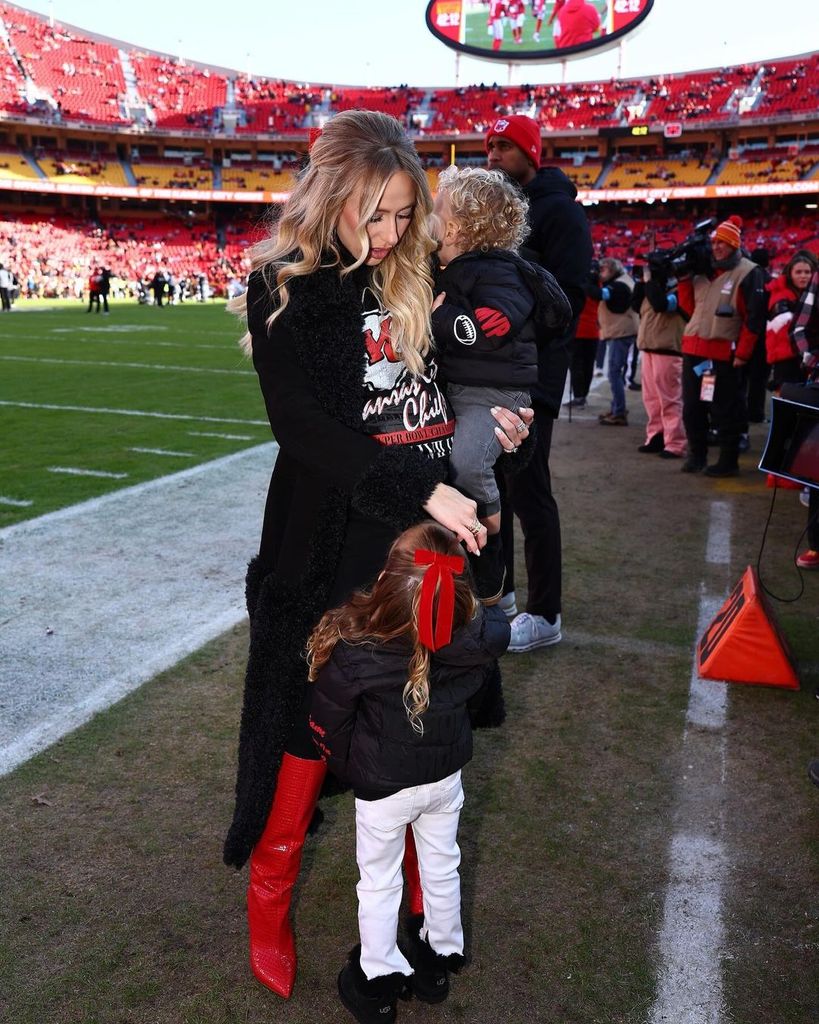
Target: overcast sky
x=386 y=42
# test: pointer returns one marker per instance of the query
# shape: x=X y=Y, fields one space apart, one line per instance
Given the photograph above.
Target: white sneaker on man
x=508 y=605
x=532 y=631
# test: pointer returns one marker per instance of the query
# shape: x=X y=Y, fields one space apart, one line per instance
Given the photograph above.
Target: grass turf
x=120 y=910
x=180 y=364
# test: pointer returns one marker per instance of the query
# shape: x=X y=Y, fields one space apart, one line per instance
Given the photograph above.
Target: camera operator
x=659 y=338
x=618 y=328
x=726 y=307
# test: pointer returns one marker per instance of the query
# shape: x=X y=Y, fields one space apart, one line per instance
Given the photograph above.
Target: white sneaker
x=508 y=605
x=531 y=631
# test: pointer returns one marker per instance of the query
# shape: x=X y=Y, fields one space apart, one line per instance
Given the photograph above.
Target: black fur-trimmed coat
x=310 y=370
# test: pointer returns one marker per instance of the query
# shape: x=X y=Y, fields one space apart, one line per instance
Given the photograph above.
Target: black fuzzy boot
x=489 y=570
x=370 y=1001
x=430 y=982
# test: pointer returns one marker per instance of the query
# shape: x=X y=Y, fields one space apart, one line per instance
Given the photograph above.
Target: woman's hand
x=456 y=512
x=439 y=301
x=513 y=428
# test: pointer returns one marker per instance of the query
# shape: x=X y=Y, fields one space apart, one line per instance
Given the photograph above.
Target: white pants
x=380 y=827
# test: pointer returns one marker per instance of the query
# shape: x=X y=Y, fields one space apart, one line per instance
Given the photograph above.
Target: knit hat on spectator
x=730 y=232
x=523 y=131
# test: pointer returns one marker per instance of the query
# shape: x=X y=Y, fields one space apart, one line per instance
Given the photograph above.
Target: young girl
x=395 y=669
x=493 y=311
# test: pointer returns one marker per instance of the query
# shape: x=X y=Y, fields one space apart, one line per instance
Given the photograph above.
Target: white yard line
x=15 y=502
x=128 y=366
x=161 y=451
x=98 y=598
x=226 y=437
x=692 y=936
x=131 y=412
x=77 y=471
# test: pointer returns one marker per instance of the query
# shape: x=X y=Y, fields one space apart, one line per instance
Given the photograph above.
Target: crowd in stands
x=53 y=256
x=85 y=80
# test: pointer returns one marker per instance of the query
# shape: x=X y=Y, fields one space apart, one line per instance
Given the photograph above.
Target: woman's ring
x=521 y=427
x=475 y=527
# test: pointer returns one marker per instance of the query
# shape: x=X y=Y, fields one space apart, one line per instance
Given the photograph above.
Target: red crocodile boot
x=274 y=867
x=415 y=894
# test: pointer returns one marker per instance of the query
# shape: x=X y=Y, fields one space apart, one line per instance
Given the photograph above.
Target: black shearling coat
x=337 y=499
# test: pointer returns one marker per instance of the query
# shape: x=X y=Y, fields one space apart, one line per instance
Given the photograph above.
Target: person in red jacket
x=577 y=21
x=584 y=351
x=726 y=310
x=784 y=294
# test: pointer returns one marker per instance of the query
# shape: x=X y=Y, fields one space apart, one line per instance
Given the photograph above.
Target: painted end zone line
x=132 y=412
x=31 y=525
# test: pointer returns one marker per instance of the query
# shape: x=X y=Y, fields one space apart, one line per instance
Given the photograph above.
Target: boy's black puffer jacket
x=498 y=310
x=360 y=724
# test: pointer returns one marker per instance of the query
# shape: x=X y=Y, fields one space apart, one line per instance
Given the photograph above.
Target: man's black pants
x=528 y=494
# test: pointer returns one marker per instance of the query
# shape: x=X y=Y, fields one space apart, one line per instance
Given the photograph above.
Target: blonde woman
x=337 y=312
x=395 y=673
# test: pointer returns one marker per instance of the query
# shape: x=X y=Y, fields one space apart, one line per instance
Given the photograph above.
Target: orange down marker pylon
x=744 y=644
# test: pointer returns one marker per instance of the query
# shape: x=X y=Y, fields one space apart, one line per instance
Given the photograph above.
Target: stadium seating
x=152 y=174
x=255 y=177
x=15 y=166
x=659 y=173
x=84 y=77
x=80 y=171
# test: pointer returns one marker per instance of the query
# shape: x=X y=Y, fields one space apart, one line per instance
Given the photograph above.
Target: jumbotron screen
x=536 y=30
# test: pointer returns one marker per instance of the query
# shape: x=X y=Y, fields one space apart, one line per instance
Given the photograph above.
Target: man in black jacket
x=560 y=241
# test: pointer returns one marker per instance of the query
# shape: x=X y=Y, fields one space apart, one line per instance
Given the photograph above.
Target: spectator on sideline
x=584 y=354
x=6 y=286
x=344 y=276
x=805 y=334
x=618 y=328
x=104 y=289
x=94 y=285
x=726 y=309
x=659 y=338
x=560 y=242
x=784 y=293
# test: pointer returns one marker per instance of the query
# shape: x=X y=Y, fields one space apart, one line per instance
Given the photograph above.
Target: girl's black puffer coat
x=360 y=724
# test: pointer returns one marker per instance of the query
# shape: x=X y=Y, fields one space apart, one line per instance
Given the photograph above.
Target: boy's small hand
x=439 y=301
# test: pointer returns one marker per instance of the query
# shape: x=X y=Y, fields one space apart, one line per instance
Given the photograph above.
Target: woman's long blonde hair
x=390 y=610
x=357 y=153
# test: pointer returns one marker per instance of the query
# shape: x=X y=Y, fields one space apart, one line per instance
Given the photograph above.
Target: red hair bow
x=440 y=573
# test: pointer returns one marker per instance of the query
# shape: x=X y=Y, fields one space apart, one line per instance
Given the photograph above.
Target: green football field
x=90 y=403
x=477 y=32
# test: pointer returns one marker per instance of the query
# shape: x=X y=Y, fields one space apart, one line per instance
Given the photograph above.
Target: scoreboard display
x=533 y=30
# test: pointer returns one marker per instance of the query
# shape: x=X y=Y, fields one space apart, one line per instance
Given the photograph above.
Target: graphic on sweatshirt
x=401 y=408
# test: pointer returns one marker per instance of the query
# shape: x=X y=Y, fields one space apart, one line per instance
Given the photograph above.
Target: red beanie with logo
x=730 y=232
x=523 y=131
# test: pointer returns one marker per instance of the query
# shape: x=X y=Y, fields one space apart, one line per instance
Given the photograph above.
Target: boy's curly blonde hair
x=490 y=212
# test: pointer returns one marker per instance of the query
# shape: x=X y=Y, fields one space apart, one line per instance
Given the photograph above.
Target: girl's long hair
x=802 y=256
x=389 y=611
x=356 y=154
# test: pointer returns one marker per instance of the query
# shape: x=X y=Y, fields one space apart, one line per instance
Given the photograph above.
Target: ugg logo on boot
x=386 y=1009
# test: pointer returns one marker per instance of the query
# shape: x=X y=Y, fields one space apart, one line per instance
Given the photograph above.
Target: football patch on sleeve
x=465 y=330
